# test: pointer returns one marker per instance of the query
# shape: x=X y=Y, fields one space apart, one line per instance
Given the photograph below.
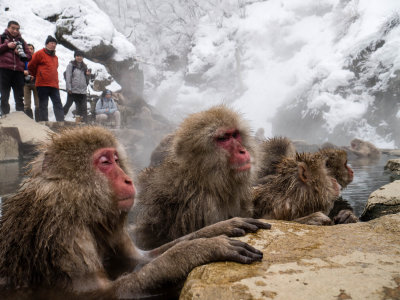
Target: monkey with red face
x=205 y=177
x=65 y=227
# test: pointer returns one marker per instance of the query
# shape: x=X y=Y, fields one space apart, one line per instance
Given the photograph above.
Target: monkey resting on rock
x=301 y=190
x=205 y=177
x=65 y=227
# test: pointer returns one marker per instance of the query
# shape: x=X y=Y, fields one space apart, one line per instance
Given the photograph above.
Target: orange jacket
x=44 y=67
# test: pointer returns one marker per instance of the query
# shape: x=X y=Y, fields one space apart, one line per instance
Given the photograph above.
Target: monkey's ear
x=303 y=172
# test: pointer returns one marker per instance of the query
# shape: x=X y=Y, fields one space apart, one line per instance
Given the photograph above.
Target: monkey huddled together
x=209 y=180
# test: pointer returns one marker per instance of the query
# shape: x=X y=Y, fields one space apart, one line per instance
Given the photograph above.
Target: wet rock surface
x=385 y=200
x=352 y=261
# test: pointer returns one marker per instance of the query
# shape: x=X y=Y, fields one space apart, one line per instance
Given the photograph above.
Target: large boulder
x=385 y=200
x=26 y=132
x=352 y=261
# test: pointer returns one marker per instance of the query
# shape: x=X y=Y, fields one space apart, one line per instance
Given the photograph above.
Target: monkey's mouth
x=126 y=203
x=243 y=167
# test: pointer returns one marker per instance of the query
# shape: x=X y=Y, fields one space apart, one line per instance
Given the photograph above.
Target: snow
x=259 y=55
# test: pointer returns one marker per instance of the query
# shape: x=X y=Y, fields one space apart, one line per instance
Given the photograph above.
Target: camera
x=21 y=52
x=27 y=78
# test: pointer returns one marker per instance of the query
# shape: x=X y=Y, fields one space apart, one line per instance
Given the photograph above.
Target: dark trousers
x=80 y=103
x=15 y=80
x=44 y=92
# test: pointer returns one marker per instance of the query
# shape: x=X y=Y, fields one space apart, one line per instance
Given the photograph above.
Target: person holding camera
x=77 y=78
x=43 y=67
x=30 y=88
x=13 y=54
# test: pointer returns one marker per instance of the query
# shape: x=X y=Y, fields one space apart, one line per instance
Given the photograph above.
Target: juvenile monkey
x=65 y=227
x=205 y=178
x=301 y=190
x=338 y=168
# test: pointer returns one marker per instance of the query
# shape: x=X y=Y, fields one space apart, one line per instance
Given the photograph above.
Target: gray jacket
x=76 y=81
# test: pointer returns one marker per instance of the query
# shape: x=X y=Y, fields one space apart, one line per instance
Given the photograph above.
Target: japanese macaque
x=273 y=151
x=338 y=168
x=205 y=178
x=363 y=149
x=337 y=165
x=301 y=191
x=65 y=227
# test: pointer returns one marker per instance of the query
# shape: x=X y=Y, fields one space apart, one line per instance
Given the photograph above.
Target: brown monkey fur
x=194 y=186
x=161 y=151
x=273 y=151
x=63 y=229
x=301 y=190
x=337 y=166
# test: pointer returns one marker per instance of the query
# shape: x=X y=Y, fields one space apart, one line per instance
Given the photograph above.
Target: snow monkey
x=338 y=168
x=205 y=178
x=301 y=190
x=65 y=227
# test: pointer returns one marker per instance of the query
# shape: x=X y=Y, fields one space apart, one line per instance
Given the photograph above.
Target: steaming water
x=368 y=177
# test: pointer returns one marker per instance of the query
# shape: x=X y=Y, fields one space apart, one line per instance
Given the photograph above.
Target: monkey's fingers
x=236 y=243
x=258 y=223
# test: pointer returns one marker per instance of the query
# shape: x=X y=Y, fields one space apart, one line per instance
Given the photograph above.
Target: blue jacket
x=103 y=104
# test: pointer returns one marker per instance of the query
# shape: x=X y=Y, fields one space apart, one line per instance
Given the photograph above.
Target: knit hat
x=78 y=53
x=107 y=92
x=50 y=39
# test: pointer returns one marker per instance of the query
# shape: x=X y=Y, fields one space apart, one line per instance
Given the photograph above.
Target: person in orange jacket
x=43 y=67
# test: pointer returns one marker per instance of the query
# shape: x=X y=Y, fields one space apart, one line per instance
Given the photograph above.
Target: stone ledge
x=353 y=261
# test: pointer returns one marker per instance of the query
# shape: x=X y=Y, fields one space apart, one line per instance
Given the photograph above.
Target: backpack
x=65 y=72
x=72 y=72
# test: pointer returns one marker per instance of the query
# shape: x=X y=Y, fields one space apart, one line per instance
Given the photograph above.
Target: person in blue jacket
x=107 y=110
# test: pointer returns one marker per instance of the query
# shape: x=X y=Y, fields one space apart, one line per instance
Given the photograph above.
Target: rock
x=392 y=152
x=385 y=200
x=9 y=144
x=393 y=166
x=352 y=261
x=30 y=132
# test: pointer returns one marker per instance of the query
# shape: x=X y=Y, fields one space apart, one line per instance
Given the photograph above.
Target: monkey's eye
x=116 y=158
x=235 y=134
x=223 y=138
x=104 y=160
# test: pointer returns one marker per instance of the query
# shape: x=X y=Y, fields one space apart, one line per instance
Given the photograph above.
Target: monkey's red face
x=231 y=141
x=106 y=160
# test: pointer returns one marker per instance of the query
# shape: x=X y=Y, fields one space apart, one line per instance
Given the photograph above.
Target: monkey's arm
x=317 y=218
x=173 y=266
x=233 y=227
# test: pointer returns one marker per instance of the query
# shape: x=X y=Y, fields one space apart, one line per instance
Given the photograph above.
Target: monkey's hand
x=345 y=216
x=174 y=265
x=232 y=227
x=317 y=218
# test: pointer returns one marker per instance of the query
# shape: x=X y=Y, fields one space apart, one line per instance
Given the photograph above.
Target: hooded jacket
x=76 y=78
x=8 y=58
x=44 y=67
